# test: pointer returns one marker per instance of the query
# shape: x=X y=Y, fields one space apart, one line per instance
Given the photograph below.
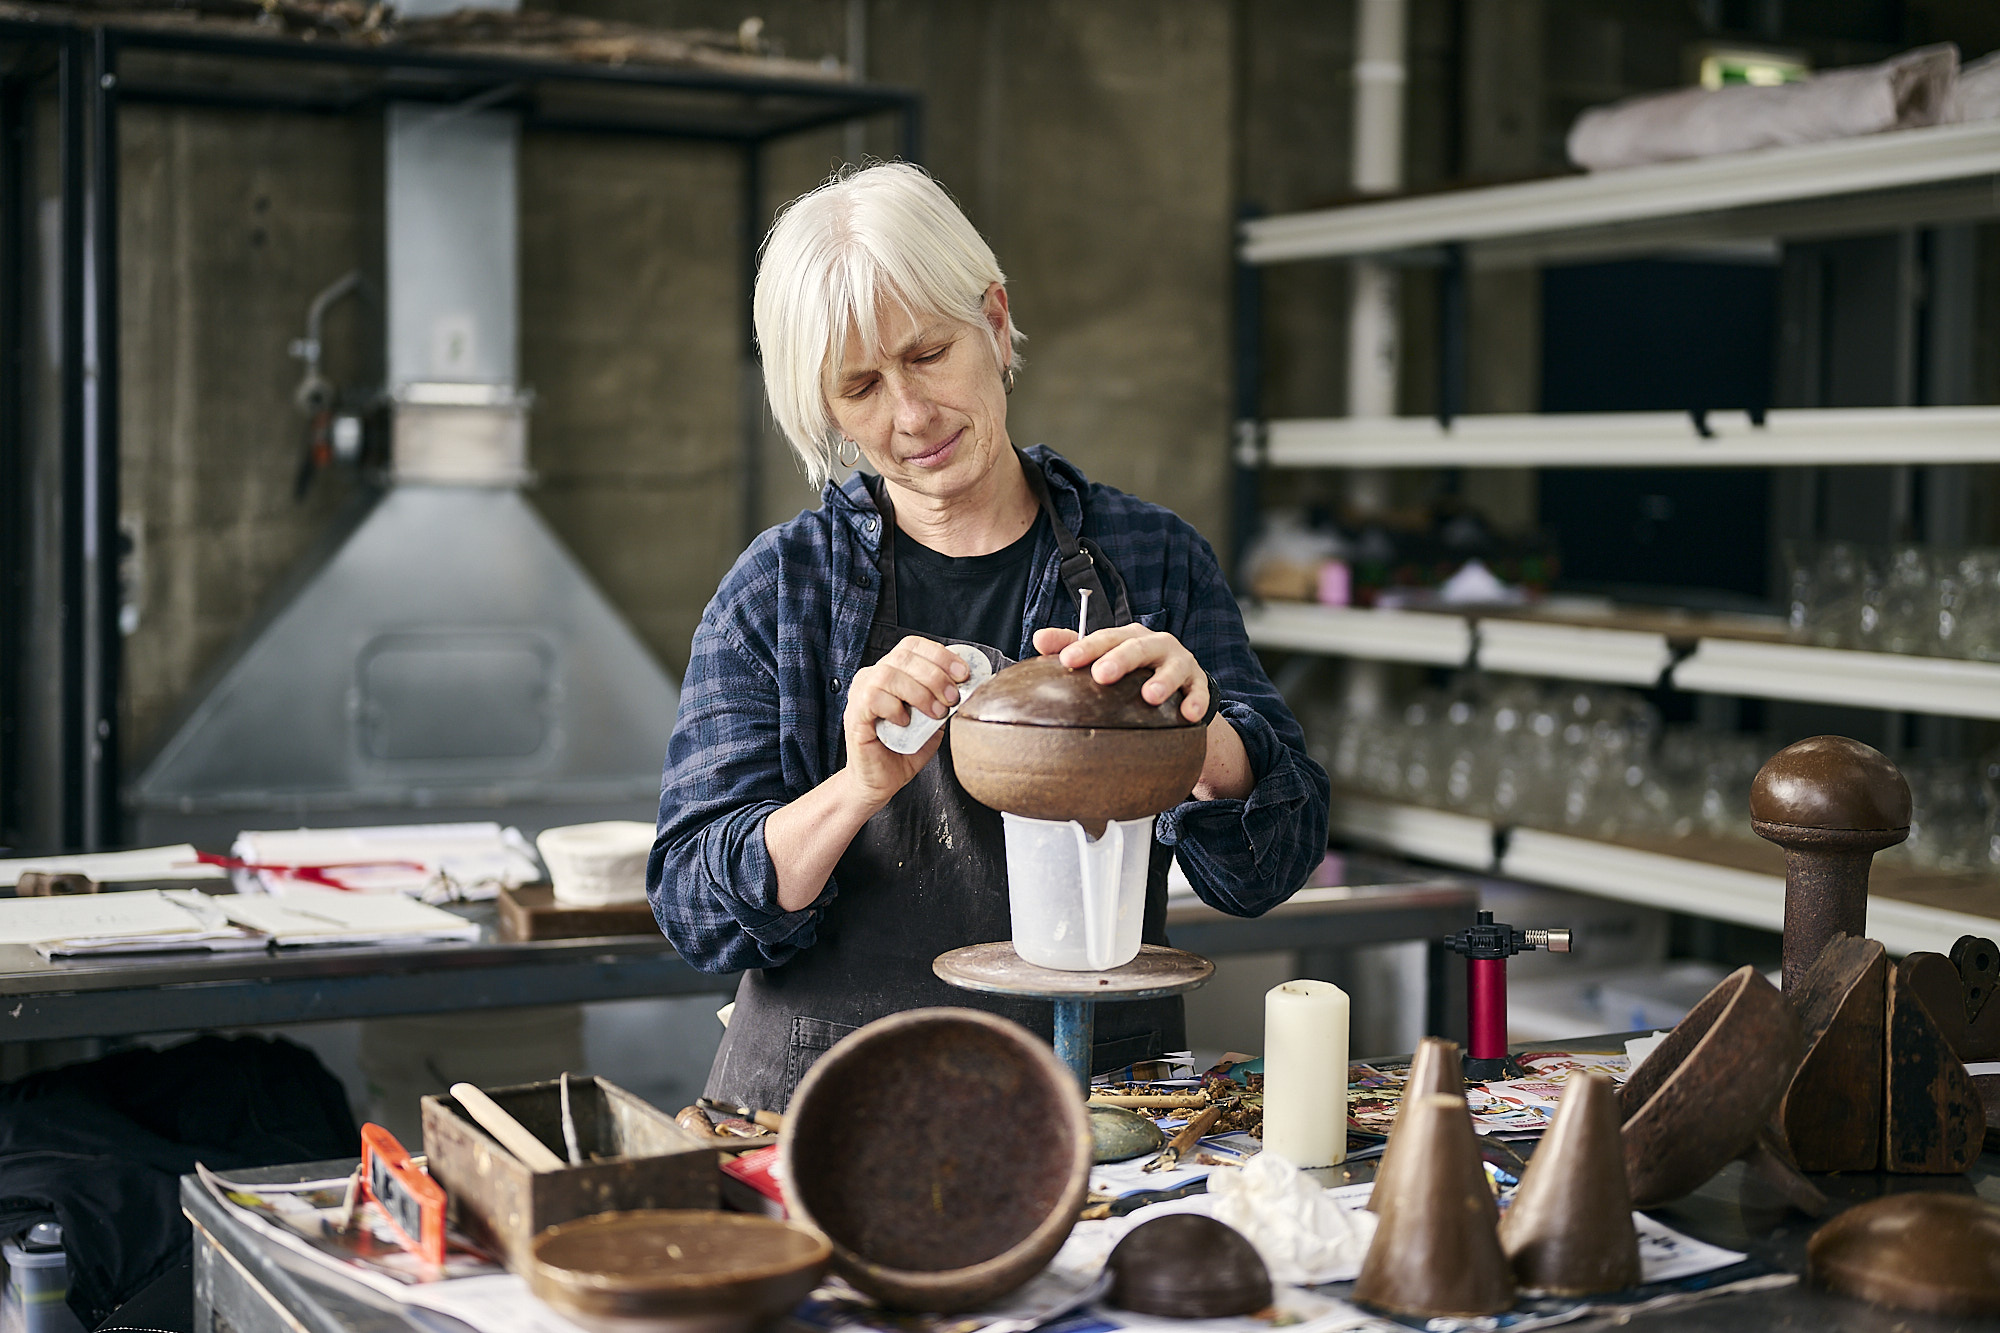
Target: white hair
x=869 y=235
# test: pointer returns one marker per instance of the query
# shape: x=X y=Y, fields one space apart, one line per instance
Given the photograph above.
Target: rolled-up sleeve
x=1246 y=856
x=710 y=879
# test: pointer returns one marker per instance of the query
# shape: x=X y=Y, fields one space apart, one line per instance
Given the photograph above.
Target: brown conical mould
x=1436 y=1250
x=1433 y=1069
x=1570 y=1230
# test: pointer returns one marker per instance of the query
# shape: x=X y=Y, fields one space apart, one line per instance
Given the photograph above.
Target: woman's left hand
x=1112 y=654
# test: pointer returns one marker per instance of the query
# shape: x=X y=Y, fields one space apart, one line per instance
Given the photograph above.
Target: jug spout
x=1101 y=860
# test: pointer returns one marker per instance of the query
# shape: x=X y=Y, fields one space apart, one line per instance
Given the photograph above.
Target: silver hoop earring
x=1007 y=379
x=848 y=452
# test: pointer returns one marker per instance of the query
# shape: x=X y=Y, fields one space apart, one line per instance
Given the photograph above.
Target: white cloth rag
x=1908 y=91
x=1305 y=1238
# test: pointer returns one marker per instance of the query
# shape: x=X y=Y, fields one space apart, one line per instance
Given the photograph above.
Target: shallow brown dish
x=1933 y=1252
x=1046 y=742
x=1697 y=1102
x=678 y=1271
x=944 y=1153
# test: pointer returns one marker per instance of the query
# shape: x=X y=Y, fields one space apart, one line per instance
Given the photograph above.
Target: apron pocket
x=811 y=1038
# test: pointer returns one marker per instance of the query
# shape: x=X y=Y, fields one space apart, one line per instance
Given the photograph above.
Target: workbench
x=122 y=995
x=241 y=1287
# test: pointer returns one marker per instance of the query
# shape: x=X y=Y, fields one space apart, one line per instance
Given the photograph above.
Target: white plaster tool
x=910 y=737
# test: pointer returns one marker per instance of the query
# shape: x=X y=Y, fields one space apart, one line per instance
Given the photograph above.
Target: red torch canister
x=1487 y=946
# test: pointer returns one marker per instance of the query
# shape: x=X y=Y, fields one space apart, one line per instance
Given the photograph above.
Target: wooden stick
x=513 y=1135
x=1152 y=1101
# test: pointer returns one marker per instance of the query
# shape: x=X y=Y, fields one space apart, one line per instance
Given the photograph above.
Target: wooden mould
x=635 y=1156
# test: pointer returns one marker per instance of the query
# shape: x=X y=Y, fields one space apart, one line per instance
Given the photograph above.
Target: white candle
x=1305 y=1073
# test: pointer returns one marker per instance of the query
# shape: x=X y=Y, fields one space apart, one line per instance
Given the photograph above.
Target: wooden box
x=634 y=1157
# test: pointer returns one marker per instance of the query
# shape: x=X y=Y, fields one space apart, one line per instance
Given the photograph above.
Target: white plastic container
x=1078 y=903
x=597 y=865
x=37 y=1284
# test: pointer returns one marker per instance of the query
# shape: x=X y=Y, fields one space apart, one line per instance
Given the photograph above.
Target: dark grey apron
x=926 y=875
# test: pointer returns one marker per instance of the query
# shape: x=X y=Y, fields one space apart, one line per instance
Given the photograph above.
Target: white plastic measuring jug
x=1078 y=902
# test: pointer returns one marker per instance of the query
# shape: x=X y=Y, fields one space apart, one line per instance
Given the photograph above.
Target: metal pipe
x=750 y=431
x=72 y=729
x=1374 y=333
x=104 y=823
x=15 y=126
x=1075 y=1031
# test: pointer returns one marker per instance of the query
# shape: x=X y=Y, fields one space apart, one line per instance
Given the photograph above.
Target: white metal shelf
x=1859 y=166
x=1631 y=874
x=1387 y=636
x=1817 y=436
x=1940 y=685
x=1794 y=671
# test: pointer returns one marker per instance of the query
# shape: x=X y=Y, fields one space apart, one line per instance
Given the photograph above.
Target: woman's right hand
x=918 y=674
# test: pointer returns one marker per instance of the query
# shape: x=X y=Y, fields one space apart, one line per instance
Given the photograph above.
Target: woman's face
x=927 y=406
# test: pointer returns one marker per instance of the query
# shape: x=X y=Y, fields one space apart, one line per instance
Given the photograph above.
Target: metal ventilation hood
x=449 y=659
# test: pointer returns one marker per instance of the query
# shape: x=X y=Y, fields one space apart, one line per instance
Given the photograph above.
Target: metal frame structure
x=95 y=69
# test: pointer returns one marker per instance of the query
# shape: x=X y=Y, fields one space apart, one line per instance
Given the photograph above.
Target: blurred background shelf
x=1737 y=655
x=1804 y=436
x=1737 y=881
x=1830 y=174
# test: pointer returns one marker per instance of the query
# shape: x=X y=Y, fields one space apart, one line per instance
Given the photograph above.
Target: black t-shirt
x=966 y=598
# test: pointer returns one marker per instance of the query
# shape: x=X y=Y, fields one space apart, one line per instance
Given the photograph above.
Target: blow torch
x=1487 y=946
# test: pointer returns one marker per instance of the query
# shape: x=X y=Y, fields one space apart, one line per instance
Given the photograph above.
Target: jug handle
x=1100 y=910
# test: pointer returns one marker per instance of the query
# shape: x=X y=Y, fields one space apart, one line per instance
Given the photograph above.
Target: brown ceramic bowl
x=1046 y=742
x=1934 y=1252
x=943 y=1152
x=1696 y=1103
x=675 y=1271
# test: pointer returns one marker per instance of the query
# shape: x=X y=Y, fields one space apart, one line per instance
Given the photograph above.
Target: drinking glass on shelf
x=1802 y=610
x=1908 y=600
x=1976 y=577
x=1839 y=581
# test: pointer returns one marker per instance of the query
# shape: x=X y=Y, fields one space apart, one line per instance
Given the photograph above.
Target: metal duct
x=450 y=656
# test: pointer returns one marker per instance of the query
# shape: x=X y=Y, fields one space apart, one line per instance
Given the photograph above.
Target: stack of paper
x=459 y=861
x=307 y=915
x=150 y=865
x=141 y=920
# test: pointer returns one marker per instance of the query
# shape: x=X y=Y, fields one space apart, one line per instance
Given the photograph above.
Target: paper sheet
x=147 y=865
x=308 y=915
x=471 y=861
x=135 y=915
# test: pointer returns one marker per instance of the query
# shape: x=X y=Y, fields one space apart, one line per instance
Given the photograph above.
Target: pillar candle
x=1305 y=1073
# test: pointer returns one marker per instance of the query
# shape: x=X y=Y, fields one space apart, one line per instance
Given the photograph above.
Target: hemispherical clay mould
x=1046 y=742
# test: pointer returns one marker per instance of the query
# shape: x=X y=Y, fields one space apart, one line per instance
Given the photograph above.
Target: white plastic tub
x=1078 y=903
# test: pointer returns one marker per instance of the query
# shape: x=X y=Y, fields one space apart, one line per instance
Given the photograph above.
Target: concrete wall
x=229 y=224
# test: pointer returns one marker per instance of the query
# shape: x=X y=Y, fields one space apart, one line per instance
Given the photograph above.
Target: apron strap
x=1083 y=568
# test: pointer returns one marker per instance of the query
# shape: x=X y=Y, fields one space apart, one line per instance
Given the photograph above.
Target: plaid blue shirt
x=761 y=705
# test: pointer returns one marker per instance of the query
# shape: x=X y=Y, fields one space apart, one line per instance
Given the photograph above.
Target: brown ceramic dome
x=1047 y=742
x=1831 y=782
x=1928 y=1251
x=1186 y=1266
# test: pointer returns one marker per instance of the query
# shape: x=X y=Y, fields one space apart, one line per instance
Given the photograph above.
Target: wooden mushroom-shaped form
x=1047 y=742
x=1436 y=1251
x=1435 y=1069
x=1570 y=1229
x=1831 y=803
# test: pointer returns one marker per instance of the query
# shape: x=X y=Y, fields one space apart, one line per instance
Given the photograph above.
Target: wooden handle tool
x=513 y=1135
x=1184 y=1140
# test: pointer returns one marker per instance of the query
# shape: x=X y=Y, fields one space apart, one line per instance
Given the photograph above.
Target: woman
x=793 y=845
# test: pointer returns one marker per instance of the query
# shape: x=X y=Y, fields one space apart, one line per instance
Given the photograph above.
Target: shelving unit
x=1695 y=660
x=1851 y=187
x=1654 y=878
